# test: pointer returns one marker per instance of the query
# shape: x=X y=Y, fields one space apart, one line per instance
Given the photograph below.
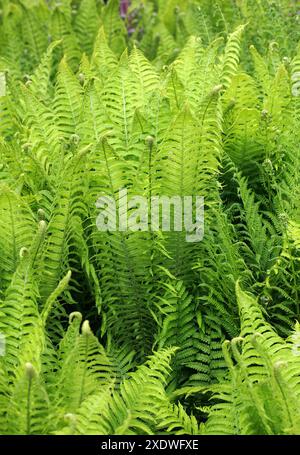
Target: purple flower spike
x=124 y=5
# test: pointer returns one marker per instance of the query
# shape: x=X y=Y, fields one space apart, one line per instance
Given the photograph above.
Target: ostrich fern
x=143 y=332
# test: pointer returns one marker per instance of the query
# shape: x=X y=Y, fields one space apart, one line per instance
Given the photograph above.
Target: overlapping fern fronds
x=125 y=332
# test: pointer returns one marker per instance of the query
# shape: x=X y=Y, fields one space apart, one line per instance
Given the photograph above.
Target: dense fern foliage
x=143 y=332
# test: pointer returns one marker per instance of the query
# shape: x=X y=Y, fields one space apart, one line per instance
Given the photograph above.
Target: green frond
x=103 y=58
x=40 y=82
x=20 y=321
x=17 y=225
x=65 y=224
x=178 y=328
x=175 y=420
x=106 y=110
x=114 y=27
x=28 y=410
x=86 y=24
x=231 y=56
x=67 y=101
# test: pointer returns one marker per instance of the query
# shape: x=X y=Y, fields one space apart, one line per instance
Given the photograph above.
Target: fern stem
x=28 y=416
x=29 y=370
x=82 y=386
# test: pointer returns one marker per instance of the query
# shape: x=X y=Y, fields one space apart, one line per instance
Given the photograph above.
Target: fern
x=125 y=331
